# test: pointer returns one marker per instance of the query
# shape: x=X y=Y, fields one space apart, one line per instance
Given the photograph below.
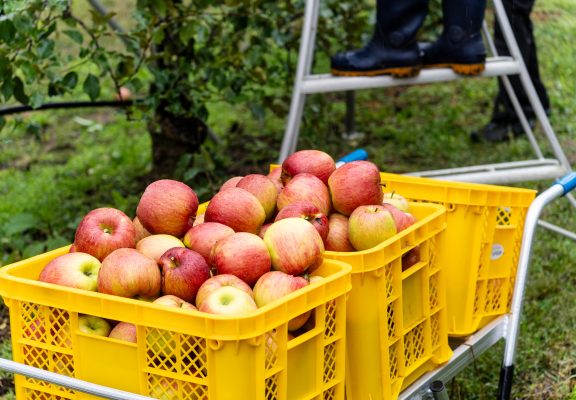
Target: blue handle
x=568 y=182
x=356 y=155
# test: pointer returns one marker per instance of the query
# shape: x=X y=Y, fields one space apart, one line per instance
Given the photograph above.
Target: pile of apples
x=259 y=239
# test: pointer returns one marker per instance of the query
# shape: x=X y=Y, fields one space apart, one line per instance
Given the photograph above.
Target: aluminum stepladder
x=539 y=168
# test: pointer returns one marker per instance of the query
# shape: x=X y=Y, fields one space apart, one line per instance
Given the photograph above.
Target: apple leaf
x=92 y=87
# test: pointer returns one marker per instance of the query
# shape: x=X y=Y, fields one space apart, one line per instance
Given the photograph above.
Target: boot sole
x=397 y=72
x=461 y=69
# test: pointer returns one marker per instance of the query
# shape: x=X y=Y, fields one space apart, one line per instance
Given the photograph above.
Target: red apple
x=128 y=273
x=77 y=270
x=337 y=239
x=183 y=272
x=167 y=206
x=410 y=258
x=295 y=246
x=355 y=184
x=154 y=246
x=315 y=162
x=230 y=183
x=242 y=254
x=236 y=208
x=171 y=300
x=369 y=226
x=141 y=232
x=306 y=187
x=274 y=285
x=307 y=211
x=72 y=248
x=104 y=230
x=263 y=189
x=228 y=300
x=93 y=325
x=400 y=202
x=402 y=219
x=201 y=238
x=124 y=331
x=275 y=177
x=217 y=281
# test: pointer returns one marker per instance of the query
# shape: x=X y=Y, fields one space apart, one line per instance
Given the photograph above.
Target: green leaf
x=36 y=99
x=2 y=122
x=74 y=35
x=34 y=249
x=70 y=80
x=7 y=88
x=18 y=91
x=20 y=223
x=46 y=48
x=92 y=87
x=7 y=31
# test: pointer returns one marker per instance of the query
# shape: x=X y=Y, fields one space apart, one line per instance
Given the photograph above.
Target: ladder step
x=502 y=173
x=322 y=83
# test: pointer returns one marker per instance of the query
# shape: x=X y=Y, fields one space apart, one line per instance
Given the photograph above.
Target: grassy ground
x=56 y=166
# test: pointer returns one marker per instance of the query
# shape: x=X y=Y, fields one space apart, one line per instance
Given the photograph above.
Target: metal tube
x=66 y=381
x=438 y=390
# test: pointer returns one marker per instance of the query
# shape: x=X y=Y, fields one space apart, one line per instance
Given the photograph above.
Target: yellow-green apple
x=295 y=246
x=263 y=229
x=369 y=226
x=410 y=258
x=77 y=270
x=275 y=177
x=307 y=211
x=217 y=281
x=163 y=388
x=228 y=300
x=308 y=187
x=274 y=285
x=141 y=232
x=236 y=208
x=315 y=278
x=400 y=202
x=104 y=230
x=173 y=301
x=93 y=325
x=313 y=162
x=355 y=184
x=154 y=246
x=402 y=219
x=128 y=273
x=337 y=239
x=183 y=272
x=201 y=238
x=230 y=183
x=124 y=331
x=263 y=189
x=199 y=219
x=242 y=254
x=167 y=206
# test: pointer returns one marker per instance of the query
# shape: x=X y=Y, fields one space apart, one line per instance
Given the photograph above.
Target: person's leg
x=393 y=48
x=460 y=46
x=504 y=116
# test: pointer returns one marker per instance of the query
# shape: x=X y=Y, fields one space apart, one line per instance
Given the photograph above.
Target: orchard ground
x=56 y=166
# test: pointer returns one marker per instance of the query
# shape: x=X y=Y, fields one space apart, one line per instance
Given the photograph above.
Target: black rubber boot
x=460 y=46
x=393 y=49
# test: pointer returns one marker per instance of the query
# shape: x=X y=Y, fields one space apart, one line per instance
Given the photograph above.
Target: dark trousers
x=518 y=12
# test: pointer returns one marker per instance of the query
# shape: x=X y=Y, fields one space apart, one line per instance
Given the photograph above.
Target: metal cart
x=429 y=385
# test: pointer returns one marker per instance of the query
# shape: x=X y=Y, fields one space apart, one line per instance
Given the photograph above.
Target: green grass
x=56 y=166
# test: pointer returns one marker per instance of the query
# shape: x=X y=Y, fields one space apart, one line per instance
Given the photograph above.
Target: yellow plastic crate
x=481 y=245
x=179 y=354
x=396 y=320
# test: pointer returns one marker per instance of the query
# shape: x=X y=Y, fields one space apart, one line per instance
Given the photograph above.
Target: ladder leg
x=539 y=111
x=305 y=58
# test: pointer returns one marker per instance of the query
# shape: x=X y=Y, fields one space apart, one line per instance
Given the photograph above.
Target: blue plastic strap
x=568 y=182
x=356 y=155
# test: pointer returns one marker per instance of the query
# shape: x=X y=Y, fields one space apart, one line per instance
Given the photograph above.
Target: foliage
x=187 y=54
